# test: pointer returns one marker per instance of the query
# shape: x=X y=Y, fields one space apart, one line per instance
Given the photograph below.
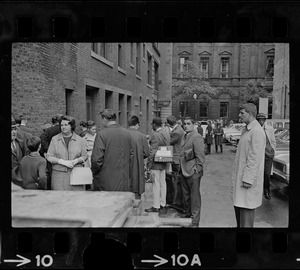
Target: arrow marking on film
x=159 y=262
x=21 y=262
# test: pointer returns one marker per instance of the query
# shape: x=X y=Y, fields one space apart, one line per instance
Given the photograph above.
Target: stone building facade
x=227 y=67
x=81 y=79
x=281 y=91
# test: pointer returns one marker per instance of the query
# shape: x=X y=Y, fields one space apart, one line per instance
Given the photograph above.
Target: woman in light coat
x=66 y=150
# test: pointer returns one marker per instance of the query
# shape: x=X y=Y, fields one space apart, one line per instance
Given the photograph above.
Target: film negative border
x=218 y=248
x=164 y=22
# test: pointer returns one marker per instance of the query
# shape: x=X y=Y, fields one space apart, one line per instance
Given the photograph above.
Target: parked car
x=234 y=139
x=236 y=129
x=278 y=123
x=281 y=167
x=281 y=161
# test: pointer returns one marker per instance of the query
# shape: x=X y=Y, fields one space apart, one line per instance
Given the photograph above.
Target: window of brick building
x=138 y=59
x=144 y=50
x=121 y=57
x=108 y=99
x=147 y=116
x=224 y=67
x=149 y=71
x=224 y=108
x=183 y=108
x=68 y=99
x=155 y=109
x=140 y=104
x=128 y=106
x=156 y=76
x=204 y=61
x=132 y=53
x=122 y=110
x=270 y=66
x=100 y=48
x=183 y=67
x=203 y=109
x=90 y=102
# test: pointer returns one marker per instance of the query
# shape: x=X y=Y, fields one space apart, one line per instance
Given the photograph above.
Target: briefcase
x=81 y=176
x=164 y=154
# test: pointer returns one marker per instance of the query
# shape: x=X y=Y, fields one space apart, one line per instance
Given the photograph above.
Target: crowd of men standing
x=117 y=158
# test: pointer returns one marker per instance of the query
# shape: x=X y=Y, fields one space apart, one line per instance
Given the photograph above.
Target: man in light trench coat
x=248 y=168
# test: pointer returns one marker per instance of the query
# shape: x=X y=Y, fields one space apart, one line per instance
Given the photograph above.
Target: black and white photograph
x=150 y=134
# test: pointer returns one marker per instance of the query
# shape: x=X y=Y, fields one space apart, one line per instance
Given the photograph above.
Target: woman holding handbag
x=66 y=150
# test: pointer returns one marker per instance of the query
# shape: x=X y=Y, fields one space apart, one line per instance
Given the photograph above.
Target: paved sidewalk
x=217 y=209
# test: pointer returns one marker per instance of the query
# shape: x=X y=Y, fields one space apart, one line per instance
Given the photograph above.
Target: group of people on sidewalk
x=210 y=133
x=117 y=156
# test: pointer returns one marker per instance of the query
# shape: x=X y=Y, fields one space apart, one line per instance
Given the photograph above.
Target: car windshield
x=283 y=135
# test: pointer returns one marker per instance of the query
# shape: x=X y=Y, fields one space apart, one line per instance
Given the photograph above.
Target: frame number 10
x=44 y=261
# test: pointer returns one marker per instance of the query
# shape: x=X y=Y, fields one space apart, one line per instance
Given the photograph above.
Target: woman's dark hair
x=33 y=143
x=83 y=124
x=56 y=118
x=71 y=120
x=90 y=124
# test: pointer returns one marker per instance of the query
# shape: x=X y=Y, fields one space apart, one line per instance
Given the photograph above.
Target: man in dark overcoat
x=219 y=133
x=23 y=122
x=45 y=142
x=111 y=160
x=141 y=151
x=192 y=158
x=200 y=129
x=17 y=153
x=176 y=135
x=209 y=137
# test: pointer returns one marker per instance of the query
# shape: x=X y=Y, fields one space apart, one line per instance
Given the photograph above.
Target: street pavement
x=216 y=208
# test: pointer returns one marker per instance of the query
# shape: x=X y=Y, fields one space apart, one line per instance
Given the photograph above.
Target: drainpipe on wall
x=284 y=114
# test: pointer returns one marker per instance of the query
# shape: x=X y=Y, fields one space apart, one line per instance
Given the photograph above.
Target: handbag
x=81 y=176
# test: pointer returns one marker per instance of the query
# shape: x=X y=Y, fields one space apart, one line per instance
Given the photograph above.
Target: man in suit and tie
x=191 y=158
x=17 y=153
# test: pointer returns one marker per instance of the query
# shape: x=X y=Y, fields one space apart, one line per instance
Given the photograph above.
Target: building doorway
x=91 y=93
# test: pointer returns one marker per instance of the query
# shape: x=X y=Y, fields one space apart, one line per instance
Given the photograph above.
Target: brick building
x=81 y=79
x=228 y=67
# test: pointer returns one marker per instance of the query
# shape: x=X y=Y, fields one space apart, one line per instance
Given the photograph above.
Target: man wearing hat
x=269 y=152
x=17 y=153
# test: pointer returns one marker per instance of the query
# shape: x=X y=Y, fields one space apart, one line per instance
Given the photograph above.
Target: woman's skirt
x=61 y=181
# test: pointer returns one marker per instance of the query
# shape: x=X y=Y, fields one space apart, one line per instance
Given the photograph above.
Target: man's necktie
x=13 y=146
